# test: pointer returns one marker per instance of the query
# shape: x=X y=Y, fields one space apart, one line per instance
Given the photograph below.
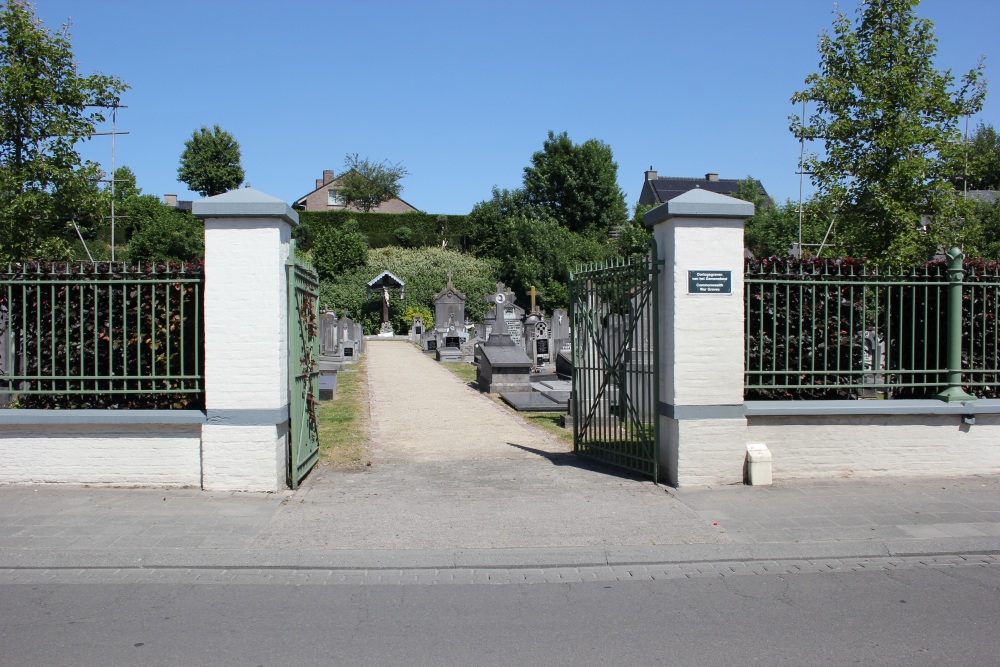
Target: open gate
x=303 y=366
x=613 y=310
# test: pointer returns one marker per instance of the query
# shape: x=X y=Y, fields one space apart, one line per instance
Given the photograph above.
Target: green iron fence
x=102 y=335
x=827 y=329
x=615 y=399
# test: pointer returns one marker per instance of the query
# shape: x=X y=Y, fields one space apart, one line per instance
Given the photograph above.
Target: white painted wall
x=244 y=458
x=701 y=349
x=246 y=313
x=149 y=454
x=878 y=445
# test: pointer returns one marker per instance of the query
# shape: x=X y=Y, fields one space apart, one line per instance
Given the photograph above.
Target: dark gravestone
x=432 y=345
x=348 y=351
x=452 y=341
x=418 y=330
x=542 y=346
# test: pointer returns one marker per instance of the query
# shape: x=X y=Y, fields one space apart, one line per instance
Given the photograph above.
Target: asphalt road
x=923 y=615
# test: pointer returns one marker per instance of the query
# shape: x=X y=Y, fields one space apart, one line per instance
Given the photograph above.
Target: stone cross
x=502 y=297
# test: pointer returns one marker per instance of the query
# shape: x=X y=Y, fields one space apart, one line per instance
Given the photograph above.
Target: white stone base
x=101 y=454
x=244 y=458
x=701 y=452
x=879 y=445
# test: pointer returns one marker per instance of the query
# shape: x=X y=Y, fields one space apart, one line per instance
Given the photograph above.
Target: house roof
x=668 y=187
x=988 y=196
x=301 y=200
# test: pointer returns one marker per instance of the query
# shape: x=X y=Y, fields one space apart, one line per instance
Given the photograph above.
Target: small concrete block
x=758 y=464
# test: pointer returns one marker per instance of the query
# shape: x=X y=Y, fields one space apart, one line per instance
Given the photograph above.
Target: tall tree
x=210 y=163
x=576 y=184
x=886 y=117
x=976 y=164
x=46 y=108
x=366 y=183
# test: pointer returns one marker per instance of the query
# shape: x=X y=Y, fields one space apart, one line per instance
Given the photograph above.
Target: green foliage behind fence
x=808 y=323
x=102 y=335
x=388 y=229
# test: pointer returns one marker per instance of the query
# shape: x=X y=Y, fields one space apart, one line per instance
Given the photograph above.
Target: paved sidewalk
x=462 y=483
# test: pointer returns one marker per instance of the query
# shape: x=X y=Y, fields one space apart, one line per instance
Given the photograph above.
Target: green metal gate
x=303 y=366
x=615 y=363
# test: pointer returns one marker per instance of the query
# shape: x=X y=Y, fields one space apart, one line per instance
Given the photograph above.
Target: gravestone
x=502 y=366
x=559 y=332
x=510 y=314
x=540 y=344
x=350 y=339
x=416 y=329
x=330 y=359
x=469 y=348
x=449 y=307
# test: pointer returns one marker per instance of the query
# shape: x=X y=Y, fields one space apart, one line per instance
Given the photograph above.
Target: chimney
x=327 y=175
x=712 y=177
x=650 y=175
x=170 y=200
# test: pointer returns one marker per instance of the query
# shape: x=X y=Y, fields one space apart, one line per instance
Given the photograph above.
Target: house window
x=334 y=198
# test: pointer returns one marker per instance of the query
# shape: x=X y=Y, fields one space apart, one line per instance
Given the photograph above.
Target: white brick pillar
x=244 y=441
x=703 y=429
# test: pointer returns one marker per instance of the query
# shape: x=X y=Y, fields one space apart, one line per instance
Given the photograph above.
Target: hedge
x=415 y=229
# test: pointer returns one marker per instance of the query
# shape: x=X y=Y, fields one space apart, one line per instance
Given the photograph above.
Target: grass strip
x=345 y=421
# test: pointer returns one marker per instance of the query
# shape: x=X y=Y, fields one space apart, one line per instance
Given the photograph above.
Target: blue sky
x=462 y=93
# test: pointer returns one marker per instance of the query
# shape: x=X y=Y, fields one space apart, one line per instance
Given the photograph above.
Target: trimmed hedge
x=388 y=229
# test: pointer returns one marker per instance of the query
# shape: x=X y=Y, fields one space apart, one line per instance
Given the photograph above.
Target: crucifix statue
x=384 y=282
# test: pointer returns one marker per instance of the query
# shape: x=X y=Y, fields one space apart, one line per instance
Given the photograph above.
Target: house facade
x=326 y=197
x=659 y=189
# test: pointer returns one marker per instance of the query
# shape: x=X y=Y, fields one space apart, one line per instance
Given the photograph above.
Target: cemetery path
x=452 y=469
x=422 y=412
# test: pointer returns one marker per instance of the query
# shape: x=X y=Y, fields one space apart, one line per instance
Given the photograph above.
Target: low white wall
x=245 y=458
x=878 y=445
x=111 y=454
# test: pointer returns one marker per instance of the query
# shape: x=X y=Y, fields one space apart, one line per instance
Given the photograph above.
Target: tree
x=165 y=234
x=366 y=183
x=46 y=108
x=338 y=250
x=530 y=247
x=576 y=184
x=976 y=165
x=210 y=163
x=886 y=118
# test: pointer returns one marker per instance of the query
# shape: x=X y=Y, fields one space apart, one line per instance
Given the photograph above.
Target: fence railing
x=833 y=329
x=102 y=335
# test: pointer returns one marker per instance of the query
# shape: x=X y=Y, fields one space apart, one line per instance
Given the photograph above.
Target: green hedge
x=425 y=229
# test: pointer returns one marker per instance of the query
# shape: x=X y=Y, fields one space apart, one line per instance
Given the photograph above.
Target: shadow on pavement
x=572 y=460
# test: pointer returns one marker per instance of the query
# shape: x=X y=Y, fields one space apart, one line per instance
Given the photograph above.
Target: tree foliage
x=46 y=108
x=425 y=272
x=886 y=117
x=366 y=183
x=210 y=163
x=576 y=184
x=976 y=165
x=530 y=247
x=337 y=250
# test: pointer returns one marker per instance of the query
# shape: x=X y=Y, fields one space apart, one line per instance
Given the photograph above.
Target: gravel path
x=452 y=469
x=423 y=412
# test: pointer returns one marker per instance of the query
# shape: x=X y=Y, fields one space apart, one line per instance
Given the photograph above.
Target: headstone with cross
x=506 y=316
